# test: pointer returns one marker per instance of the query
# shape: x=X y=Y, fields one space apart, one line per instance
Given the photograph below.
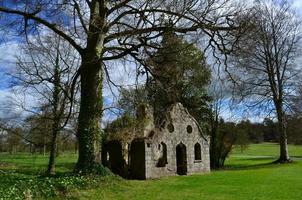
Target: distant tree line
x=245 y=132
x=267 y=131
x=35 y=137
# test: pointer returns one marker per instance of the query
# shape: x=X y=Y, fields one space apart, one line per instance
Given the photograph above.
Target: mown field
x=249 y=175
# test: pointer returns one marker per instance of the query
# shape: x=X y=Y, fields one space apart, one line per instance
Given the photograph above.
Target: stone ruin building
x=146 y=151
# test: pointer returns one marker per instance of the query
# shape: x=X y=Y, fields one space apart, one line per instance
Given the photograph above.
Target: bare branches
x=116 y=20
x=53 y=27
x=80 y=15
x=265 y=60
x=119 y=5
x=36 y=71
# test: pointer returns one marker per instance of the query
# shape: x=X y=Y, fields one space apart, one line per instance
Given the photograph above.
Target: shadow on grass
x=296 y=157
x=259 y=163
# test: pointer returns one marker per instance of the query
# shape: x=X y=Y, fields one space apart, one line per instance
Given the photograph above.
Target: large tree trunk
x=91 y=105
x=284 y=157
x=89 y=136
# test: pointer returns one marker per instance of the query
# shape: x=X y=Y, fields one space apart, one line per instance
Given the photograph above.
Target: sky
x=121 y=75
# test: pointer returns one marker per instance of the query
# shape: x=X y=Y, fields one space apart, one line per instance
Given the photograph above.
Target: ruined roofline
x=145 y=118
x=179 y=104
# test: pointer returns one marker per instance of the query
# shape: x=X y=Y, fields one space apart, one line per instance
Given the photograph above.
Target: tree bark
x=44 y=149
x=56 y=119
x=89 y=137
x=214 y=157
x=91 y=104
x=53 y=150
x=284 y=156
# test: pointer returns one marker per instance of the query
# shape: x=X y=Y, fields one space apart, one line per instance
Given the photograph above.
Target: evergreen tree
x=179 y=74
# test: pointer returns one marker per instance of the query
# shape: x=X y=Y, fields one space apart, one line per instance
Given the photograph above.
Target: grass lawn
x=248 y=176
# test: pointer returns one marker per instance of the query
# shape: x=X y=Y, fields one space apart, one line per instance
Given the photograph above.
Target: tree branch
x=49 y=25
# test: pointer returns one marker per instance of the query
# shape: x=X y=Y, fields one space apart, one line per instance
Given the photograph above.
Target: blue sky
x=9 y=49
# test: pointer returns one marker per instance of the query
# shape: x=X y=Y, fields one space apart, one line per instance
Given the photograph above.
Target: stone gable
x=176 y=146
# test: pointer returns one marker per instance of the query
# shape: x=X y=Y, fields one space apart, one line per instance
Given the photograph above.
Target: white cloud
x=14 y=103
x=8 y=51
x=298 y=4
x=122 y=75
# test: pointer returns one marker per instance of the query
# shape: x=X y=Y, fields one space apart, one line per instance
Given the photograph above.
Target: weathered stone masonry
x=176 y=146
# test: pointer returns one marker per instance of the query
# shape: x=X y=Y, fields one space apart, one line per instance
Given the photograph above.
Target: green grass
x=260 y=154
x=249 y=175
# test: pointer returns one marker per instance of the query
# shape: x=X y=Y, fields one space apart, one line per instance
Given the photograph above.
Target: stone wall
x=155 y=154
x=179 y=128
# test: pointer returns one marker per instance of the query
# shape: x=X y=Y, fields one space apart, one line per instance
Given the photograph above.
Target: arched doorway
x=137 y=159
x=113 y=155
x=181 y=159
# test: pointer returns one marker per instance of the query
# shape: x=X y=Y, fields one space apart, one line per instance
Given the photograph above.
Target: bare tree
x=105 y=30
x=47 y=66
x=265 y=61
